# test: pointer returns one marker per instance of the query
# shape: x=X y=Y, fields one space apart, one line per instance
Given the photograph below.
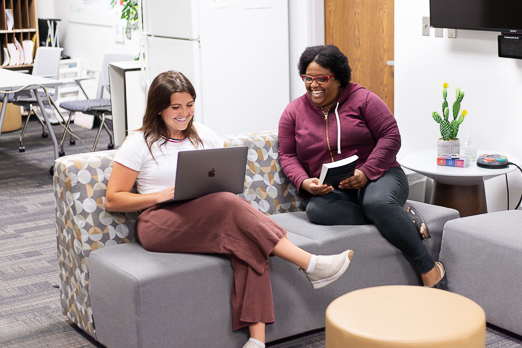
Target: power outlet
x=425 y=26
x=438 y=32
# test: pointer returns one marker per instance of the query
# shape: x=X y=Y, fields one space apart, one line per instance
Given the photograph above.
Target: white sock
x=258 y=342
x=311 y=265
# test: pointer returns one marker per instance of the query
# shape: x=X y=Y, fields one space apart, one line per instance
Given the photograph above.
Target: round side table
x=404 y=316
x=458 y=188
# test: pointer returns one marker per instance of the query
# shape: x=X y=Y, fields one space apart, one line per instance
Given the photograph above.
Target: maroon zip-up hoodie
x=367 y=129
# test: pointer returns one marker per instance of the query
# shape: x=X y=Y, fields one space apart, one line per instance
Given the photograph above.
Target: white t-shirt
x=159 y=174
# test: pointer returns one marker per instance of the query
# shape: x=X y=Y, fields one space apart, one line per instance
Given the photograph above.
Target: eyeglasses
x=320 y=79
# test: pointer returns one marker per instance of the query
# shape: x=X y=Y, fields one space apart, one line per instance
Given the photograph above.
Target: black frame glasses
x=320 y=79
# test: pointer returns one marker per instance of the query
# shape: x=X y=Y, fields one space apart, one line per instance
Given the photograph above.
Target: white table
x=457 y=188
x=12 y=80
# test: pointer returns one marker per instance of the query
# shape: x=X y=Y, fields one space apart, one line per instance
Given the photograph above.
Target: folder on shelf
x=9 y=19
x=6 y=57
x=28 y=47
x=21 y=58
x=13 y=53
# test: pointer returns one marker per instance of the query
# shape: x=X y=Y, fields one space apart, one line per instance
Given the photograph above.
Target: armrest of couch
x=83 y=225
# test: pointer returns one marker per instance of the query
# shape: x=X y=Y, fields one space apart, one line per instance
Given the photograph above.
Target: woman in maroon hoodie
x=334 y=120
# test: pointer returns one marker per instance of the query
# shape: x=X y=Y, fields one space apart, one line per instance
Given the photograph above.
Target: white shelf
x=69 y=70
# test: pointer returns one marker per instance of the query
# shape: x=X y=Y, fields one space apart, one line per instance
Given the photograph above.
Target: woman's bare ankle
x=432 y=277
x=257 y=331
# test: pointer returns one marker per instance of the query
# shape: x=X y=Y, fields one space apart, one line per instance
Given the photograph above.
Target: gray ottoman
x=483 y=256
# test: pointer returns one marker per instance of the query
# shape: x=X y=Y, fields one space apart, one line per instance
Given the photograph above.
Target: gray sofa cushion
x=169 y=296
x=483 y=255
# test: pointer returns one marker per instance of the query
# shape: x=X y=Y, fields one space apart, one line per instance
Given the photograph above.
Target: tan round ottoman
x=404 y=316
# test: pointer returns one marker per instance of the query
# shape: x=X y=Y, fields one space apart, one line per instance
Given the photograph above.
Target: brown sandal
x=419 y=222
x=443 y=282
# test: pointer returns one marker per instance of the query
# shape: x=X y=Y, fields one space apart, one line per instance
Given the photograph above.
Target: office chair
x=99 y=107
x=46 y=64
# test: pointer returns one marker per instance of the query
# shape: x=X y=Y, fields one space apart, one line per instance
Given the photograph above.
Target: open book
x=335 y=172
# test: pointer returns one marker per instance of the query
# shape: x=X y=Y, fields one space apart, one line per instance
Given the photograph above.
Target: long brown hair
x=160 y=91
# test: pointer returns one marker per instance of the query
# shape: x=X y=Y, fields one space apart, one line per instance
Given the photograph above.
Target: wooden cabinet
x=25 y=27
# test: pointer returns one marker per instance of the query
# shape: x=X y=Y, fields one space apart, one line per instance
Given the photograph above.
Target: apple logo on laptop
x=212 y=173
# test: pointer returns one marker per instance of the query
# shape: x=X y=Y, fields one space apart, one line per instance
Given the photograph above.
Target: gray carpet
x=30 y=313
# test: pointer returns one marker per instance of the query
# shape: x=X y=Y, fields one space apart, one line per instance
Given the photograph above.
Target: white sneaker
x=329 y=268
x=251 y=344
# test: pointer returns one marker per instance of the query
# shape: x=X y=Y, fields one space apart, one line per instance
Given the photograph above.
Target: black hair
x=329 y=57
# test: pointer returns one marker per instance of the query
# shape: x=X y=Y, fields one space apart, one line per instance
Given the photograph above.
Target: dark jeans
x=380 y=203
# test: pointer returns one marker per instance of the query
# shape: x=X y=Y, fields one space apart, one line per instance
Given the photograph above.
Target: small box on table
x=453 y=161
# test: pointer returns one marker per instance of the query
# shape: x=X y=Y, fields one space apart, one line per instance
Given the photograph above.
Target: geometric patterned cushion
x=83 y=225
x=266 y=186
x=85 y=105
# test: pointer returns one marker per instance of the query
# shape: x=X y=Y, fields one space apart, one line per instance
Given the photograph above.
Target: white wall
x=306 y=28
x=88 y=42
x=45 y=9
x=492 y=86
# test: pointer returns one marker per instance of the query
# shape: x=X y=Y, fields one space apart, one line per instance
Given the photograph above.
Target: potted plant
x=449 y=143
x=129 y=12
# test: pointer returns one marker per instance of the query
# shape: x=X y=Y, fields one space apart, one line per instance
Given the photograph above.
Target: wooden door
x=363 y=30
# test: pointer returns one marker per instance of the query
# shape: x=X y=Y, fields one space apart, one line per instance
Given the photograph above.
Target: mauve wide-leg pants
x=221 y=223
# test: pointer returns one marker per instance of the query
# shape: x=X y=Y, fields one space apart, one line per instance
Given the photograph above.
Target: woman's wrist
x=305 y=185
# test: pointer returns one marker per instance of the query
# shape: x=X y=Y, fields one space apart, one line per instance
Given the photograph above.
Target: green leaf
x=461 y=96
x=445 y=129
x=456 y=109
x=436 y=117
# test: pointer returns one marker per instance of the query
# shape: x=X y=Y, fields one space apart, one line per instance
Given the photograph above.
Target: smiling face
x=323 y=95
x=178 y=115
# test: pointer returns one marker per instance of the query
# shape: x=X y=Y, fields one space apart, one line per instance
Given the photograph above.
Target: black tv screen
x=493 y=15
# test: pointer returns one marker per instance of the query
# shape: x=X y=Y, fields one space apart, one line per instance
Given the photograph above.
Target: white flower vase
x=448 y=147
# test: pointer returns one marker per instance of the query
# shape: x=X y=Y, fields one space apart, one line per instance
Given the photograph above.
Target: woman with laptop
x=334 y=120
x=219 y=223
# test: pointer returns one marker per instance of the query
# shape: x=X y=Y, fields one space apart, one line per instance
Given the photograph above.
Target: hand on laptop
x=165 y=195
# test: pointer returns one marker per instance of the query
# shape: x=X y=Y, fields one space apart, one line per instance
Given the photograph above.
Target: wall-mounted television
x=492 y=15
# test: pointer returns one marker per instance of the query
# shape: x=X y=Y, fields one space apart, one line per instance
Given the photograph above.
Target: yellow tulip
x=445 y=85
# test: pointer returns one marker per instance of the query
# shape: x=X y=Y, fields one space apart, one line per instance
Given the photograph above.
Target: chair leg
x=21 y=148
x=111 y=137
x=66 y=130
x=44 y=127
x=103 y=125
x=102 y=118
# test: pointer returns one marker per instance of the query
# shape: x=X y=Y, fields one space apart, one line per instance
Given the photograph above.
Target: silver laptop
x=201 y=172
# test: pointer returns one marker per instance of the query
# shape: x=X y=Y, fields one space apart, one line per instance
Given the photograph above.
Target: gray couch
x=124 y=296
